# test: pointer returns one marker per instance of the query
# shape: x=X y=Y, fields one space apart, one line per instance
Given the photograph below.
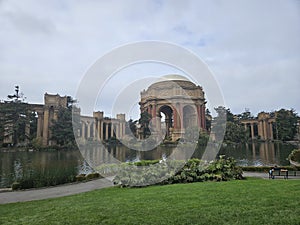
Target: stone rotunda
x=175 y=104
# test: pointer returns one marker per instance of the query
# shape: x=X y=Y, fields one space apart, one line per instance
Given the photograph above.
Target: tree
x=131 y=127
x=17 y=120
x=62 y=128
x=208 y=119
x=219 y=123
x=286 y=124
x=235 y=133
x=144 y=121
x=245 y=115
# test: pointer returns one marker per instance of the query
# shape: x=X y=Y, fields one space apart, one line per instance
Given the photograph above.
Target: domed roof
x=171 y=81
x=173 y=77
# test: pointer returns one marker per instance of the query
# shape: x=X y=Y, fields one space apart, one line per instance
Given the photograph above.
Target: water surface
x=14 y=164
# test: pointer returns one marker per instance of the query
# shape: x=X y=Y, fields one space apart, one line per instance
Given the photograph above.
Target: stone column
x=88 y=129
x=118 y=130
x=123 y=129
x=199 y=116
x=245 y=126
x=175 y=119
x=111 y=129
x=158 y=121
x=46 y=126
x=100 y=130
x=98 y=134
x=106 y=131
x=39 y=125
x=94 y=130
x=154 y=115
x=181 y=116
x=260 y=130
x=265 y=130
x=203 y=117
x=271 y=131
x=55 y=114
x=252 y=130
x=82 y=129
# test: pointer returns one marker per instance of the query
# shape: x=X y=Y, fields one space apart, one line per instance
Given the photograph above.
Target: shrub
x=15 y=186
x=92 y=176
x=80 y=177
x=295 y=155
x=43 y=178
x=168 y=172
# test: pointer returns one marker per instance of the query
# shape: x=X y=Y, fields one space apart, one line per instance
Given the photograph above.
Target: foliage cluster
x=62 y=128
x=172 y=171
x=144 y=121
x=17 y=121
x=286 y=124
x=45 y=178
x=295 y=155
x=112 y=169
x=85 y=177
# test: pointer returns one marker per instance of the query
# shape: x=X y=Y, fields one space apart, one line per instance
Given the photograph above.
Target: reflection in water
x=252 y=154
x=259 y=154
x=14 y=164
x=18 y=171
x=99 y=155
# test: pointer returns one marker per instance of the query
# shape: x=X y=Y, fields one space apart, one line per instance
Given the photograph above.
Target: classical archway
x=167 y=121
x=179 y=101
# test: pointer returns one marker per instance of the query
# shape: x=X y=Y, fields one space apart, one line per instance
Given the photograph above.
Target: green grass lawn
x=252 y=201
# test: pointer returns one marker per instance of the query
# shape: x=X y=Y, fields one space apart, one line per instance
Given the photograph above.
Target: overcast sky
x=252 y=47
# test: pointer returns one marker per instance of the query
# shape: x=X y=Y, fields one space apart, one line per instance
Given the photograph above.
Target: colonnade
x=262 y=126
x=102 y=128
x=45 y=115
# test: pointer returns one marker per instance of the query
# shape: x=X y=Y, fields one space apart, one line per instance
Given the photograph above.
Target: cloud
x=253 y=47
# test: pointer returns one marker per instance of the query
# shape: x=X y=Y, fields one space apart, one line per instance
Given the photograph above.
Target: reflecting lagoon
x=17 y=163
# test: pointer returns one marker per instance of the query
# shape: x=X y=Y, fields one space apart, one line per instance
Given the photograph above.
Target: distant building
x=261 y=127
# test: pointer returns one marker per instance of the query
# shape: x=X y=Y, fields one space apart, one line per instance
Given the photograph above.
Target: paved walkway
x=266 y=175
x=70 y=189
x=256 y=174
x=53 y=192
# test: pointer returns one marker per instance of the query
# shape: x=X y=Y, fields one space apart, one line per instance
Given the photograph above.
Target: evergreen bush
x=295 y=155
x=172 y=171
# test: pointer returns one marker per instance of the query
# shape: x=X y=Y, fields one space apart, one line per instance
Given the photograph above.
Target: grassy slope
x=252 y=201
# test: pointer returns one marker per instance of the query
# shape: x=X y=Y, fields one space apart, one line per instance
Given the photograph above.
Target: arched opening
x=166 y=113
